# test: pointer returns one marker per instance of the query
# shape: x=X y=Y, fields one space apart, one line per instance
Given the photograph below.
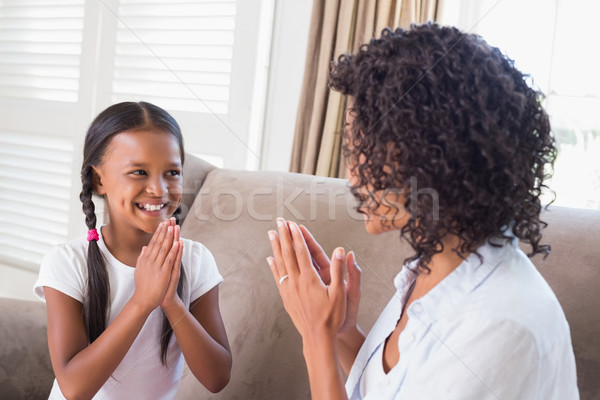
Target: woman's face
x=386 y=210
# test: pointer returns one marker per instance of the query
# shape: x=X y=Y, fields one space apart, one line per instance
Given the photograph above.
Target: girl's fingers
x=179 y=255
x=169 y=260
x=160 y=239
x=154 y=239
x=176 y=272
x=177 y=231
x=166 y=246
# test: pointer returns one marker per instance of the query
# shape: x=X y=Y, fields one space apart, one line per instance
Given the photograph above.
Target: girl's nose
x=156 y=186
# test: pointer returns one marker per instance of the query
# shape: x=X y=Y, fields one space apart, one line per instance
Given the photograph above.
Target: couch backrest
x=573 y=271
x=233 y=212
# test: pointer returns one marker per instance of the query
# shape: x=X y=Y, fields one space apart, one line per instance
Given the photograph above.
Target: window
x=552 y=40
x=62 y=62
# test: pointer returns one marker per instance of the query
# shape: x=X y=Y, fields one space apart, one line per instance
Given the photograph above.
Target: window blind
x=40 y=49
x=176 y=54
x=35 y=182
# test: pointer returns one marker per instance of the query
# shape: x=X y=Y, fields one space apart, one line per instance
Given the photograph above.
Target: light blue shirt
x=492 y=329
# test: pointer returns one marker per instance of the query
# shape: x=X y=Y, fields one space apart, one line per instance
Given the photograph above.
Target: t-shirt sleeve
x=203 y=271
x=62 y=269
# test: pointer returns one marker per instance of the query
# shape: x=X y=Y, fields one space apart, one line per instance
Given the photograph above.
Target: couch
x=231 y=212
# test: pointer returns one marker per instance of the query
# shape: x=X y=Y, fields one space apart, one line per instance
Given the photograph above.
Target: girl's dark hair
x=115 y=119
x=442 y=109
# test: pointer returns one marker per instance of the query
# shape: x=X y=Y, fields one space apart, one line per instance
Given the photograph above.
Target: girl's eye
x=174 y=173
x=138 y=172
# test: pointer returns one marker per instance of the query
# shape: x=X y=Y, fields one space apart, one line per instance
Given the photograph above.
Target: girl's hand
x=316 y=308
x=154 y=267
x=171 y=298
x=323 y=265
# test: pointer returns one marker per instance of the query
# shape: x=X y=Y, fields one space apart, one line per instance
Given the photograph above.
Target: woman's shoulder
x=516 y=295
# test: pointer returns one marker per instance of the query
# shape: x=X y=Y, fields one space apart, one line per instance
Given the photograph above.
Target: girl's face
x=140 y=178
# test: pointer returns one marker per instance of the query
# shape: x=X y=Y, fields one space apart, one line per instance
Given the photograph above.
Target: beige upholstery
x=231 y=215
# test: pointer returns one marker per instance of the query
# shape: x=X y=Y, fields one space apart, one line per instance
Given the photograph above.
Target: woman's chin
x=373 y=226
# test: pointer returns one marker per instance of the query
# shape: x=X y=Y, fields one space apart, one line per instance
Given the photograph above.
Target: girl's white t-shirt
x=140 y=374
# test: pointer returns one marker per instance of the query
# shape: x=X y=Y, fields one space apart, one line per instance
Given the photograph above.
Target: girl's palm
x=154 y=267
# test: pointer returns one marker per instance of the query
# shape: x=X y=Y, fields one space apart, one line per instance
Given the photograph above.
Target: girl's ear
x=97 y=181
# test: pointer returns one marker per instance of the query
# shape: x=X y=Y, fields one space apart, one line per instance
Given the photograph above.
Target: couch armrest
x=25 y=368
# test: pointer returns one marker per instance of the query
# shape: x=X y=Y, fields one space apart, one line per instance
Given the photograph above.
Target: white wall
x=16 y=282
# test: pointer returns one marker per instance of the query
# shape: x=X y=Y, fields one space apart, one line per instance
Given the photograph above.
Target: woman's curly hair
x=442 y=109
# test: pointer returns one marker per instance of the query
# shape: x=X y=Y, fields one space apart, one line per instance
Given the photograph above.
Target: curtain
x=338 y=27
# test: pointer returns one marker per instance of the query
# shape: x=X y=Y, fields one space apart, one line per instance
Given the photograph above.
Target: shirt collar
x=464 y=279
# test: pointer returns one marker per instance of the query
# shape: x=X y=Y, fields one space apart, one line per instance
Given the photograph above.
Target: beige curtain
x=337 y=27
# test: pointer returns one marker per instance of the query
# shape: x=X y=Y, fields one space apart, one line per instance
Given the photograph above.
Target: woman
x=472 y=318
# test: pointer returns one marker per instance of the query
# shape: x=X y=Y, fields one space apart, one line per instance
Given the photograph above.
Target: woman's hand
x=154 y=267
x=323 y=265
x=316 y=308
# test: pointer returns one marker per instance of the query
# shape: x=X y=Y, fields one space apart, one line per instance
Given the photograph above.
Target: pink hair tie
x=93 y=235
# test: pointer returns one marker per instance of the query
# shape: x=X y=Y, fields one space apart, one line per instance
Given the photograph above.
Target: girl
x=472 y=318
x=125 y=303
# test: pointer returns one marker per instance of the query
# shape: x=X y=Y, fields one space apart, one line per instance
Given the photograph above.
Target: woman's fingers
x=353 y=285
x=277 y=264
x=315 y=249
x=337 y=268
x=288 y=254
x=274 y=269
x=354 y=272
x=303 y=258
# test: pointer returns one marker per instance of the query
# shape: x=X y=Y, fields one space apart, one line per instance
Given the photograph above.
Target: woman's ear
x=97 y=181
